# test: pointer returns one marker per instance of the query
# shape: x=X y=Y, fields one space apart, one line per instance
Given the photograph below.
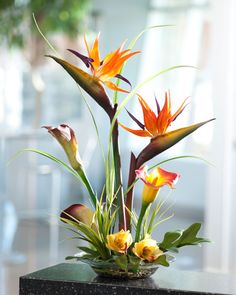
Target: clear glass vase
x=112 y=270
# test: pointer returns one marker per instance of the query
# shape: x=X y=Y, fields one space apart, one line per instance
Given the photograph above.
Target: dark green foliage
x=16 y=22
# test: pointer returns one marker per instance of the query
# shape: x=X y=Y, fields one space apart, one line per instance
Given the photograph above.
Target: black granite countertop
x=70 y=279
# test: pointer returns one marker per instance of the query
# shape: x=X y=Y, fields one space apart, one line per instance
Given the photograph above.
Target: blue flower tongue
x=86 y=60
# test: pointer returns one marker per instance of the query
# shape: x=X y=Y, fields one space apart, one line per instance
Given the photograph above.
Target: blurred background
x=34 y=91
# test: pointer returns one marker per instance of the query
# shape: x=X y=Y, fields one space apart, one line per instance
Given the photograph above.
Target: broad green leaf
x=178 y=239
x=162 y=260
x=189 y=236
x=169 y=240
x=122 y=262
x=134 y=263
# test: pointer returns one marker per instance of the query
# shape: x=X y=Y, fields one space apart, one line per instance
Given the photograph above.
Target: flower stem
x=90 y=190
x=140 y=220
x=118 y=174
x=129 y=197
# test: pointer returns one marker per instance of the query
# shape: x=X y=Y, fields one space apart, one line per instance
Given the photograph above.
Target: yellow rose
x=119 y=242
x=147 y=249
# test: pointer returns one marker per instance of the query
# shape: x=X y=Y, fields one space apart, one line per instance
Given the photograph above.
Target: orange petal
x=166 y=178
x=149 y=117
x=86 y=44
x=112 y=67
x=179 y=111
x=112 y=86
x=142 y=133
x=94 y=53
x=158 y=178
x=164 y=116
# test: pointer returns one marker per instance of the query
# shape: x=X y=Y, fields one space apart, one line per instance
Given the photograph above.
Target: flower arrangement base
x=114 y=272
x=121 y=274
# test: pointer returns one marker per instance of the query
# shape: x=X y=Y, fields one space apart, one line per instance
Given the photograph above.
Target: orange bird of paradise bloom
x=155 y=125
x=109 y=67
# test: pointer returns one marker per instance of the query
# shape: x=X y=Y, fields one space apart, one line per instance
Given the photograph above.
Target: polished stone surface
x=68 y=278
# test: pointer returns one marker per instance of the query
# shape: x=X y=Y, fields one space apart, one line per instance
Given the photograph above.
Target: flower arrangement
x=115 y=235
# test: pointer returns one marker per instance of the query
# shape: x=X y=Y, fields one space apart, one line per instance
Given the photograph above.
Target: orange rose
x=147 y=249
x=119 y=242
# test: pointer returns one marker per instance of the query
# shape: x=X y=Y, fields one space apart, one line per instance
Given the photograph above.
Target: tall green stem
x=118 y=175
x=140 y=221
x=86 y=182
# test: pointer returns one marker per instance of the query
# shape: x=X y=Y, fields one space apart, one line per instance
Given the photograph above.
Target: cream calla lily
x=65 y=135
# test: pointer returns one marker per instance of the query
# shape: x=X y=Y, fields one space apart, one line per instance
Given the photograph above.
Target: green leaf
x=177 y=158
x=169 y=240
x=90 y=251
x=79 y=175
x=189 y=236
x=49 y=156
x=162 y=260
x=173 y=250
x=122 y=262
x=135 y=40
x=130 y=46
x=178 y=239
x=70 y=257
x=134 y=263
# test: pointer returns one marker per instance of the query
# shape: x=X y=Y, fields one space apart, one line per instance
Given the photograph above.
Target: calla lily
x=152 y=184
x=107 y=68
x=154 y=181
x=78 y=212
x=66 y=137
x=155 y=125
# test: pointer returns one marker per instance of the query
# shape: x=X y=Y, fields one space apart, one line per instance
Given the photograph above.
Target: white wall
x=221 y=202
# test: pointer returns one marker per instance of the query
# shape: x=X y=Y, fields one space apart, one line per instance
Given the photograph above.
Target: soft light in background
x=35 y=92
